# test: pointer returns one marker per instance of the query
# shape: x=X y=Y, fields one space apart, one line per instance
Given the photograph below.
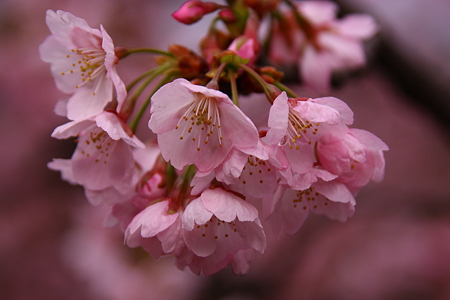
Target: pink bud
x=192 y=11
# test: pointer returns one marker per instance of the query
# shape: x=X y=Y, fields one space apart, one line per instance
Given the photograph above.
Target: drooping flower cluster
x=213 y=183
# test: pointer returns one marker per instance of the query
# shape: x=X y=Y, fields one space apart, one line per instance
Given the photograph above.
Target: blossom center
x=96 y=144
x=220 y=229
x=298 y=127
x=89 y=63
x=307 y=199
x=255 y=170
x=201 y=122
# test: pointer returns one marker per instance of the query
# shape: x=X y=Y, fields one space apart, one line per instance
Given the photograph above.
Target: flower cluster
x=213 y=183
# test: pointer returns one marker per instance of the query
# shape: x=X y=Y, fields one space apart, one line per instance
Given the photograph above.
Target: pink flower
x=193 y=10
x=288 y=213
x=157 y=229
x=251 y=173
x=220 y=229
x=296 y=125
x=198 y=125
x=214 y=231
x=221 y=223
x=356 y=158
x=103 y=157
x=323 y=44
x=83 y=63
x=332 y=44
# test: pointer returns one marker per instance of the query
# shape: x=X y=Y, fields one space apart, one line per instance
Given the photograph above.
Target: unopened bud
x=192 y=11
x=178 y=50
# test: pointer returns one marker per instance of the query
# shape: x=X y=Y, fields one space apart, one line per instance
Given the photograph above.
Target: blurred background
x=397 y=245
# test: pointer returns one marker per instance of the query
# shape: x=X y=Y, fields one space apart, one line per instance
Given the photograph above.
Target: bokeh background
x=397 y=245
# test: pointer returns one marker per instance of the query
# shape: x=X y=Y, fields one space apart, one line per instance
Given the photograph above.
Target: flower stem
x=187 y=176
x=171 y=176
x=128 y=106
x=214 y=83
x=234 y=89
x=136 y=81
x=129 y=51
x=289 y=92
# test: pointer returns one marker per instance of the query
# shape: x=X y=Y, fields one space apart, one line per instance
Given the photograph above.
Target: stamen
x=200 y=119
x=91 y=65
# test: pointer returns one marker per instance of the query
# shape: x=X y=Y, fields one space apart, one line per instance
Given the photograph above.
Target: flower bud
x=192 y=11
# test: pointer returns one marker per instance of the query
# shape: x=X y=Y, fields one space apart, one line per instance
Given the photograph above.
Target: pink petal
x=172 y=238
x=110 y=123
x=65 y=167
x=226 y=206
x=195 y=212
x=278 y=119
x=54 y=52
x=62 y=23
x=316 y=68
x=293 y=214
x=201 y=181
x=318 y=12
x=237 y=126
x=200 y=240
x=110 y=65
x=99 y=162
x=346 y=52
x=169 y=104
x=358 y=26
x=335 y=191
x=72 y=128
x=370 y=140
x=84 y=104
x=253 y=234
x=182 y=152
x=152 y=220
x=315 y=112
x=232 y=167
x=241 y=261
x=345 y=112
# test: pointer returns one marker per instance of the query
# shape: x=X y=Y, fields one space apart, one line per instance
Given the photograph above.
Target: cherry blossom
x=197 y=125
x=157 y=229
x=333 y=44
x=103 y=157
x=208 y=181
x=296 y=125
x=357 y=158
x=322 y=44
x=83 y=63
x=291 y=209
x=220 y=222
